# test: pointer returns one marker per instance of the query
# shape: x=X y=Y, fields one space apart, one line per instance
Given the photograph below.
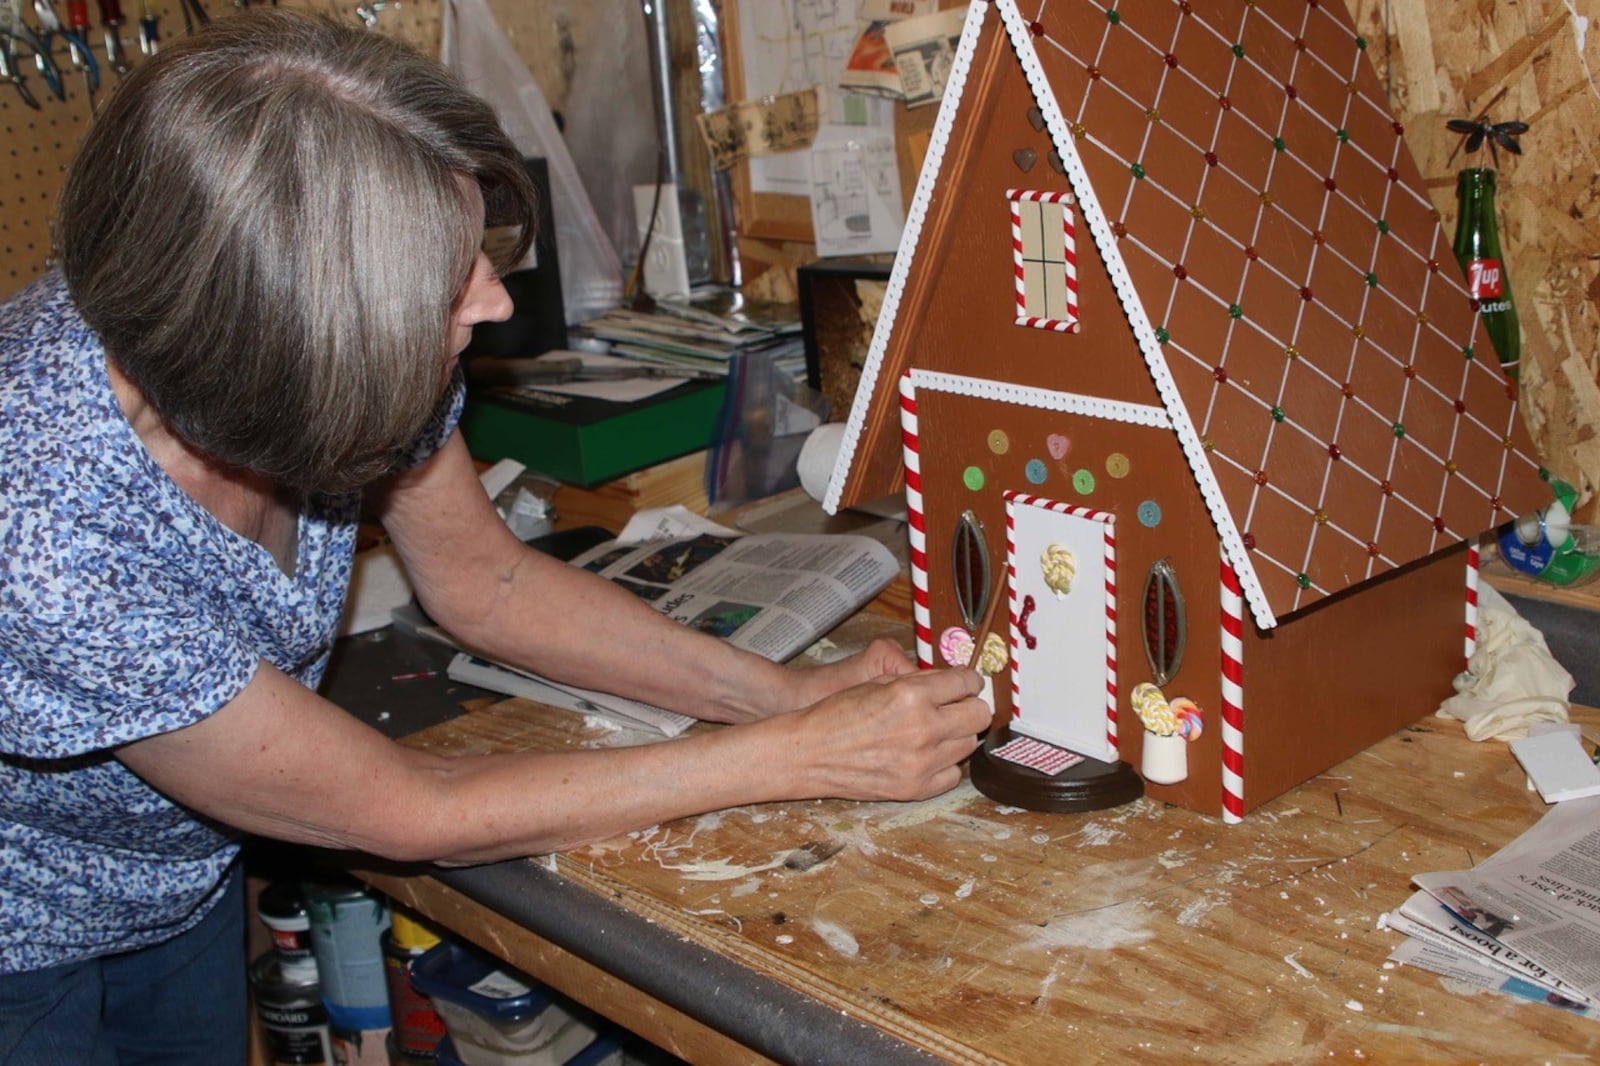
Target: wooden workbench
x=876 y=932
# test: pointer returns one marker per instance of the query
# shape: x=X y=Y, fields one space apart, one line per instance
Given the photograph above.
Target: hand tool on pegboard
x=8 y=71
x=50 y=27
x=111 y=24
x=194 y=14
x=18 y=31
x=149 y=31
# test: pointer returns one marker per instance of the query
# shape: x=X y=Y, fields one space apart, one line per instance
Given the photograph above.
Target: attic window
x=1044 y=252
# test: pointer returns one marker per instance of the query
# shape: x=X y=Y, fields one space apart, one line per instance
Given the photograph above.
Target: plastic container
x=606 y=1050
x=494 y=1015
x=347 y=922
x=283 y=911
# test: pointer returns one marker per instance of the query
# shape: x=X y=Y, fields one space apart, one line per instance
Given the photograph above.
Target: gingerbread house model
x=1173 y=309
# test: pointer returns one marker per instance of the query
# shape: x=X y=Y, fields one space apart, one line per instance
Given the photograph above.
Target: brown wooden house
x=1173 y=309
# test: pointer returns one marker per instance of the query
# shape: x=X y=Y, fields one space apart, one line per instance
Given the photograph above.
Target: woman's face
x=482 y=299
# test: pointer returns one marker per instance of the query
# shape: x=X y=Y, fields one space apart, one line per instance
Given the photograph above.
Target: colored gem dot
x=1387 y=488
x=1261 y=478
x=1220 y=374
x=1351 y=87
x=1494 y=501
x=1398 y=429
x=1399 y=129
x=1238 y=51
x=1438 y=524
x=1138 y=170
x=1334 y=453
x=1321 y=517
x=1265 y=198
x=1036 y=471
x=1094 y=73
x=999 y=442
x=1197 y=213
x=1149 y=514
x=1083 y=481
x=1036 y=28
x=1207 y=444
x=1184 y=7
x=1113 y=17
x=1511 y=391
x=972 y=478
x=1119 y=230
x=1507 y=443
x=1292 y=352
x=1318 y=238
x=1211 y=159
x=1153 y=114
x=1544 y=472
x=1224 y=103
x=1383 y=226
x=1461 y=407
x=1235 y=311
x=1330 y=184
x=1180 y=272
x=1422 y=318
x=1279 y=144
x=1299 y=44
x=1117 y=465
x=1357 y=332
x=1171 y=60
x=1372 y=280
x=1305 y=293
x=1349 y=391
x=1079 y=130
x=1249 y=542
x=1467 y=351
x=1409 y=370
x=1251 y=254
x=1434 y=214
x=1372 y=548
x=1433 y=266
x=1291 y=91
x=1277 y=414
x=1303 y=580
x=1394 y=174
x=1361 y=43
x=1343 y=135
x=1450 y=466
x=1162 y=336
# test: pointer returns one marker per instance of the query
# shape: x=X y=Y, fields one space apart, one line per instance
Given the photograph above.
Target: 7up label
x=1485 y=279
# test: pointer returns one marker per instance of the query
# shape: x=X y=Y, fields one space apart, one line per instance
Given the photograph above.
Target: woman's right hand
x=894 y=738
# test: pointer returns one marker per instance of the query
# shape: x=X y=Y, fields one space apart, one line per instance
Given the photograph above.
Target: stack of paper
x=1524 y=921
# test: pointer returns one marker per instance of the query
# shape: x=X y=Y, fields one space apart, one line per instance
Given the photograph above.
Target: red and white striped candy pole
x=1472 y=605
x=1232 y=696
x=921 y=616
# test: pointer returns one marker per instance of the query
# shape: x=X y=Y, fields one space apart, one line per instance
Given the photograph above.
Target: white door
x=1061 y=564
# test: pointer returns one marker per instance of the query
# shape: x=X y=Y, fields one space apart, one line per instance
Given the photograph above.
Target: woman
x=270 y=262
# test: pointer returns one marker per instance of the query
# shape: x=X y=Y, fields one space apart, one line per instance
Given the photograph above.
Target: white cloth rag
x=1511 y=681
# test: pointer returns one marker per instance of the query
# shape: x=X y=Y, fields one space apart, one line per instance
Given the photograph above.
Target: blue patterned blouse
x=126 y=610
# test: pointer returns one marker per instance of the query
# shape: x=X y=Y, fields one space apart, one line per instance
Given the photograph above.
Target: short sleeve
x=107 y=635
x=446 y=416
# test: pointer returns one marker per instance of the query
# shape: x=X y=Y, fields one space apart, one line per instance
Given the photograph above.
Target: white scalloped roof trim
x=1094 y=217
x=955 y=87
x=1047 y=399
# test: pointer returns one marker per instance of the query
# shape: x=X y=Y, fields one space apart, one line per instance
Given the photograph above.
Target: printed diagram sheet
x=855 y=191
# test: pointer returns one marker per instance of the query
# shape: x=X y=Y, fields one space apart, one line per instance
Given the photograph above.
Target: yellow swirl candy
x=995 y=655
x=1153 y=710
x=1059 y=568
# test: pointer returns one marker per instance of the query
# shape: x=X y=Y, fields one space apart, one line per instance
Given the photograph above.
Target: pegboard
x=38 y=144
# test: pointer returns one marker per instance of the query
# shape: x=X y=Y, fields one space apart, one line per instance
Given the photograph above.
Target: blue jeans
x=179 y=1002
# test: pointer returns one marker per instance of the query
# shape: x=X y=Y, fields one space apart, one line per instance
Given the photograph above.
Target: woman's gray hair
x=268 y=226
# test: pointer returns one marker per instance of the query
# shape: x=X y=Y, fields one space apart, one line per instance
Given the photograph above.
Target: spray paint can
x=347 y=919
x=289 y=1007
x=283 y=911
x=417 y=1027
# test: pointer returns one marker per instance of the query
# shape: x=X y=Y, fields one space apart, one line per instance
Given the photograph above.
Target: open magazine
x=773 y=594
x=1527 y=917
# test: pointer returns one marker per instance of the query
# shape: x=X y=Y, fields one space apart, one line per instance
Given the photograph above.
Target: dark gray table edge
x=757 y=1011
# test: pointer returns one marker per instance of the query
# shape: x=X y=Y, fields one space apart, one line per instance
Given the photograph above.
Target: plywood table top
x=984 y=933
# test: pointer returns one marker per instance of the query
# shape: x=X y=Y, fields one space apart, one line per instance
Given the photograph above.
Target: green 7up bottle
x=1477 y=248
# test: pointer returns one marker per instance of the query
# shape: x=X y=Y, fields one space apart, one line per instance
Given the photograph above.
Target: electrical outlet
x=666 y=266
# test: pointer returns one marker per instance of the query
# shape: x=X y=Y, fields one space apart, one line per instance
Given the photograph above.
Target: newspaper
x=773 y=594
x=1531 y=910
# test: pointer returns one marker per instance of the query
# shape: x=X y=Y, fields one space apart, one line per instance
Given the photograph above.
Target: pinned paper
x=855 y=191
x=924 y=53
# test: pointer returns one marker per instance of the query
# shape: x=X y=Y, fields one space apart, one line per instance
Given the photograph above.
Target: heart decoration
x=1036 y=118
x=1024 y=158
x=1056 y=164
x=1056 y=445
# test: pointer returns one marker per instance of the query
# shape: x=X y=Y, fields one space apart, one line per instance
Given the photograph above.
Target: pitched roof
x=1284 y=274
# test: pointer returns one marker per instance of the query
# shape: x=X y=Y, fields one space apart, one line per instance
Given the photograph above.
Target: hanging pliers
x=82 y=55
x=8 y=71
x=18 y=32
